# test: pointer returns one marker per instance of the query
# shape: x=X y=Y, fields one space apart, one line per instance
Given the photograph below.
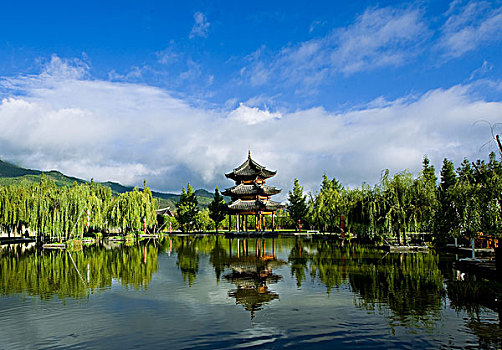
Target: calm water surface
x=212 y=292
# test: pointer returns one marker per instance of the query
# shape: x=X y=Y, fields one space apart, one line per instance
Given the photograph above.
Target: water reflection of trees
x=472 y=296
x=410 y=284
x=48 y=273
x=188 y=259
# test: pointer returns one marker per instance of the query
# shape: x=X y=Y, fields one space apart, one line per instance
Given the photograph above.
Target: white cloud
x=315 y=24
x=169 y=55
x=58 y=68
x=252 y=115
x=481 y=71
x=201 y=26
x=378 y=37
x=469 y=26
x=130 y=132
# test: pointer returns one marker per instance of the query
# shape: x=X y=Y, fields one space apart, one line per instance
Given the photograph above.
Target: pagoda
x=250 y=195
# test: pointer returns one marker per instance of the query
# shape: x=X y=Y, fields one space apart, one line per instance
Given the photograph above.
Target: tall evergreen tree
x=446 y=218
x=187 y=209
x=428 y=171
x=448 y=176
x=217 y=208
x=297 y=207
x=424 y=198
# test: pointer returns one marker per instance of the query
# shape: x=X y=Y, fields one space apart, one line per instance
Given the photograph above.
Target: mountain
x=11 y=170
x=11 y=174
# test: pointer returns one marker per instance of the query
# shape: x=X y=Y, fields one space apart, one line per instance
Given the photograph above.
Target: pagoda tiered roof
x=251 y=189
x=250 y=170
x=254 y=205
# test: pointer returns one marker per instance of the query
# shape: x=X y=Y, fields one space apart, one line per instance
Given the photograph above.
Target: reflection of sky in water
x=169 y=312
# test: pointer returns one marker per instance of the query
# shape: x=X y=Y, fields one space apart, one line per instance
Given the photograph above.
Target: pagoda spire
x=249 y=152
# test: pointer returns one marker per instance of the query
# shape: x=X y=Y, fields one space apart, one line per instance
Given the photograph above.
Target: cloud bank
x=63 y=119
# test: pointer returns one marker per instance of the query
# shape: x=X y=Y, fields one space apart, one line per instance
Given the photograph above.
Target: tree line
x=45 y=209
x=463 y=202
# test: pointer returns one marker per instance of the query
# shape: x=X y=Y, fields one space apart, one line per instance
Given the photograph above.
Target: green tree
x=187 y=209
x=397 y=195
x=446 y=218
x=428 y=171
x=297 y=207
x=488 y=180
x=424 y=199
x=217 y=208
x=327 y=206
x=203 y=221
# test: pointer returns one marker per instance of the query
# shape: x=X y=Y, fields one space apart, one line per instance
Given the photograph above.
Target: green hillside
x=12 y=174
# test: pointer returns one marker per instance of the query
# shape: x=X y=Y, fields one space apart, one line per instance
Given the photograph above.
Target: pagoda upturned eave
x=251 y=189
x=250 y=170
x=254 y=205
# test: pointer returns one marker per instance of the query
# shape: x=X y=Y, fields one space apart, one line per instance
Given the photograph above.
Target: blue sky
x=174 y=92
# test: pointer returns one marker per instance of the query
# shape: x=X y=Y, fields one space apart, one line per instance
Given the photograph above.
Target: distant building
x=165 y=211
x=250 y=195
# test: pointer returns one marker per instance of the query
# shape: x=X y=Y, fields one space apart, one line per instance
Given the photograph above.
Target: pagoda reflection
x=252 y=273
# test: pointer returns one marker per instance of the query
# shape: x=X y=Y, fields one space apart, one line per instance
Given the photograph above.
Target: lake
x=204 y=292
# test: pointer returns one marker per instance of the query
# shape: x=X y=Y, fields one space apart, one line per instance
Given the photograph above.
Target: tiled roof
x=254 y=205
x=250 y=169
x=251 y=189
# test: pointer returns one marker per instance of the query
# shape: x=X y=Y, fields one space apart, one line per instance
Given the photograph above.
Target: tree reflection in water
x=410 y=284
x=472 y=296
x=188 y=259
x=49 y=273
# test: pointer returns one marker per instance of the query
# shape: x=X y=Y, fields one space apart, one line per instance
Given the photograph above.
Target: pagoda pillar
x=273 y=247
x=229 y=222
x=273 y=223
x=238 y=224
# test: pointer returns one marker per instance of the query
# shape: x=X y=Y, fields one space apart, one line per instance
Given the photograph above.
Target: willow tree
x=15 y=208
x=397 y=196
x=365 y=211
x=129 y=211
x=60 y=211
